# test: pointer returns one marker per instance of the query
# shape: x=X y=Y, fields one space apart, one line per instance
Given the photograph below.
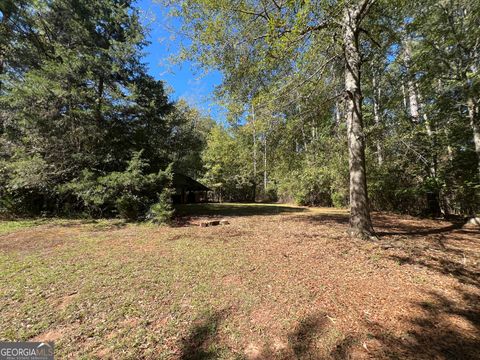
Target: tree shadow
x=343 y=349
x=444 y=328
x=453 y=256
x=417 y=231
x=314 y=338
x=225 y=209
x=384 y=222
x=442 y=265
x=448 y=250
x=200 y=343
x=324 y=219
x=302 y=339
x=447 y=329
x=99 y=224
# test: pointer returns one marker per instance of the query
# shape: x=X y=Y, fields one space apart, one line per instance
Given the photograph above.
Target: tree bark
x=405 y=104
x=417 y=107
x=445 y=129
x=430 y=132
x=360 y=222
x=475 y=124
x=265 y=178
x=338 y=115
x=254 y=155
x=378 y=122
x=435 y=206
x=412 y=94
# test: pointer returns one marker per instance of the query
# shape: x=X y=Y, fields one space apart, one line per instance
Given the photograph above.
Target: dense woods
x=325 y=97
x=368 y=104
x=84 y=128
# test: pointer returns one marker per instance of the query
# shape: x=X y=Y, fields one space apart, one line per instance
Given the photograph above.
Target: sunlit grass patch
x=7 y=226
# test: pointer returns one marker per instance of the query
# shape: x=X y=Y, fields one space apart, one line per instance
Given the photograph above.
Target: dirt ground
x=277 y=282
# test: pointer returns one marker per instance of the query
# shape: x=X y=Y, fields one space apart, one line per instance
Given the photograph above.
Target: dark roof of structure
x=185 y=182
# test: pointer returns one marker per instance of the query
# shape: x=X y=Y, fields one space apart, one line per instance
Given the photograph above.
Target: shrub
x=339 y=199
x=271 y=194
x=162 y=211
x=129 y=206
x=26 y=187
x=128 y=194
x=308 y=186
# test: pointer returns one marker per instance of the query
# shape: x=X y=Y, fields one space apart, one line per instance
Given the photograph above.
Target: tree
x=76 y=97
x=262 y=43
x=360 y=222
x=227 y=165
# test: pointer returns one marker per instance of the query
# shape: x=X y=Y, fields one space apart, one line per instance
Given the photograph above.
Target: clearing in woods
x=277 y=282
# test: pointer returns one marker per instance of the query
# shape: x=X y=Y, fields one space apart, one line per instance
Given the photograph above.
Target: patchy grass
x=278 y=282
x=7 y=226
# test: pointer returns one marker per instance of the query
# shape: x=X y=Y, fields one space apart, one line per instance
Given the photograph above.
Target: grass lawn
x=9 y=226
x=278 y=282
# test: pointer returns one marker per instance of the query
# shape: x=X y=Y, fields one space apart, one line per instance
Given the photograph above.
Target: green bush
x=339 y=199
x=310 y=187
x=271 y=194
x=162 y=211
x=129 y=206
x=26 y=187
x=128 y=194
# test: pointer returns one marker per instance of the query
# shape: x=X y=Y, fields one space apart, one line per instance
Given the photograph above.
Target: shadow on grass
x=226 y=209
x=200 y=343
x=441 y=264
x=416 y=231
x=324 y=219
x=448 y=329
x=302 y=339
x=447 y=250
x=386 y=227
x=67 y=222
x=445 y=328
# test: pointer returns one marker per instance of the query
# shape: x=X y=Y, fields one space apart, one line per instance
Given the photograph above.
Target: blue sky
x=185 y=80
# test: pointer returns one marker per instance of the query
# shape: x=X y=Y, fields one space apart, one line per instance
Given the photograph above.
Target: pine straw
x=276 y=283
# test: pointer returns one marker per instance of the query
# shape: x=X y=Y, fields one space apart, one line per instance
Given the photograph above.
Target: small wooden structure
x=208 y=223
x=188 y=190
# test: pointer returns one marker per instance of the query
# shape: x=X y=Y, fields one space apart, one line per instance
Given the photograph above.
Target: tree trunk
x=416 y=107
x=265 y=179
x=360 y=223
x=305 y=143
x=405 y=104
x=445 y=129
x=434 y=201
x=475 y=124
x=338 y=114
x=254 y=155
x=412 y=95
x=430 y=133
x=378 y=122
